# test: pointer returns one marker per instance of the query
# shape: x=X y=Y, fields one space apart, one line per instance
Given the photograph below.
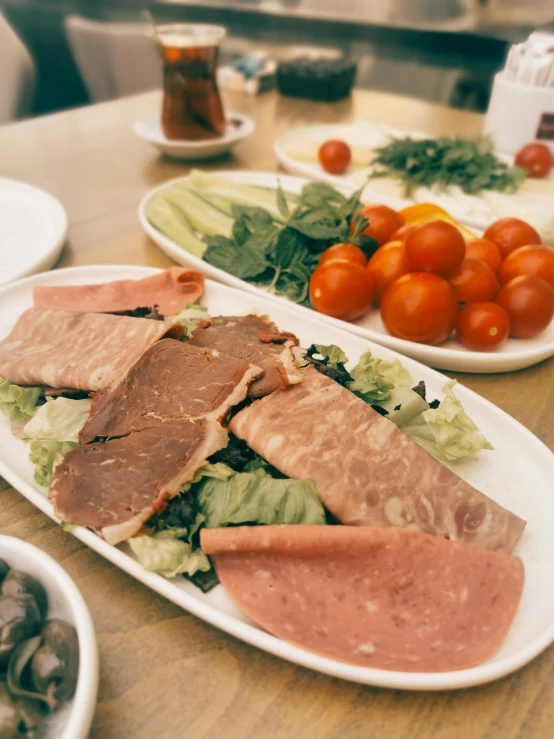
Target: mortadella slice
x=170 y=290
x=389 y=598
x=115 y=486
x=81 y=351
x=367 y=471
x=172 y=380
x=254 y=339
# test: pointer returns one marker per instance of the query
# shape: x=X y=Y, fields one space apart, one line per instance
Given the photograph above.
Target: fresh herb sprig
x=445 y=161
x=282 y=256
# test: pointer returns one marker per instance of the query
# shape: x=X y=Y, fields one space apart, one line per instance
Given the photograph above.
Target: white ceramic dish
x=238 y=128
x=512 y=355
x=33 y=227
x=518 y=475
x=73 y=719
x=474 y=215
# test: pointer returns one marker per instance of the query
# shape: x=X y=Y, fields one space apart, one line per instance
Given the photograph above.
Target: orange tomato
x=510 y=233
x=535 y=260
x=387 y=264
x=474 y=281
x=403 y=232
x=486 y=251
x=383 y=222
x=341 y=289
x=536 y=158
x=343 y=253
x=529 y=302
x=334 y=156
x=482 y=326
x=436 y=246
x=420 y=307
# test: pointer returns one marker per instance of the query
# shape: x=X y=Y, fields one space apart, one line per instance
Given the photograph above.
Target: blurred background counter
x=443 y=51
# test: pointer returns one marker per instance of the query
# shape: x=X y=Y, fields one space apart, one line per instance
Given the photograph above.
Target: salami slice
x=82 y=351
x=367 y=471
x=170 y=290
x=388 y=598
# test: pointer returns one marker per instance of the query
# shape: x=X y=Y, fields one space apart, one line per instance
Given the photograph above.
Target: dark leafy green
x=468 y=164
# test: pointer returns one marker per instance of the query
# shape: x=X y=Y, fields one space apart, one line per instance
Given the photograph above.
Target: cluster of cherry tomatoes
x=429 y=281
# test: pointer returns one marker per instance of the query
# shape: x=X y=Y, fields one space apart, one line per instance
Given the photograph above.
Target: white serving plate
x=514 y=354
x=33 y=227
x=314 y=171
x=73 y=719
x=149 y=129
x=518 y=475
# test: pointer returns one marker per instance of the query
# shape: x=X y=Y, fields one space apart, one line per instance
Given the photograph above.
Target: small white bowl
x=238 y=128
x=73 y=719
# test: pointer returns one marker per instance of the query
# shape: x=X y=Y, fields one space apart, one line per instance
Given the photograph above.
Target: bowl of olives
x=48 y=655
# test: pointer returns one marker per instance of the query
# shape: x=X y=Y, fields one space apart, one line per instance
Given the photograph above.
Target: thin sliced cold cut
x=170 y=290
x=386 y=598
x=81 y=351
x=115 y=486
x=255 y=339
x=367 y=471
x=172 y=380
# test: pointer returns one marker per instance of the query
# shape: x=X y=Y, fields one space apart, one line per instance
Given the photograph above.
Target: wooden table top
x=164 y=673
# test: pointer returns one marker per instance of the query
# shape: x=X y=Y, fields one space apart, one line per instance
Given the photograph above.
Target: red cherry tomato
x=510 y=233
x=341 y=289
x=387 y=264
x=536 y=158
x=486 y=251
x=435 y=246
x=420 y=307
x=529 y=302
x=473 y=281
x=383 y=222
x=482 y=326
x=528 y=260
x=334 y=156
x=343 y=253
x=403 y=231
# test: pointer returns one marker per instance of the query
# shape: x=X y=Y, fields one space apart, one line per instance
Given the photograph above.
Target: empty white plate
x=238 y=128
x=33 y=227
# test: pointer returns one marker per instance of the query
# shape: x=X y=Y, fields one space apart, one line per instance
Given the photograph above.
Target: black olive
x=55 y=665
x=19 y=620
x=9 y=719
x=20 y=582
x=4 y=569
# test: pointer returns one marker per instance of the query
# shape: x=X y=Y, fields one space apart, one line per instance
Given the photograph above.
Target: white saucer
x=238 y=128
x=33 y=227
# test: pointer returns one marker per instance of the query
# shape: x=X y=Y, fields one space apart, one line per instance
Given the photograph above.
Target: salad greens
x=269 y=237
x=166 y=553
x=18 y=403
x=442 y=428
x=46 y=455
x=190 y=317
x=445 y=161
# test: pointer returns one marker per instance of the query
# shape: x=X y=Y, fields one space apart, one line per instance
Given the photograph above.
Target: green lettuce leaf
x=333 y=354
x=191 y=317
x=18 y=403
x=59 y=419
x=167 y=554
x=447 y=432
x=373 y=379
x=46 y=454
x=256 y=497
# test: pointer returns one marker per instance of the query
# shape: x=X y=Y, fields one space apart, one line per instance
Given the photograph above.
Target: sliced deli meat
x=386 y=598
x=367 y=471
x=255 y=339
x=170 y=290
x=172 y=380
x=115 y=486
x=82 y=351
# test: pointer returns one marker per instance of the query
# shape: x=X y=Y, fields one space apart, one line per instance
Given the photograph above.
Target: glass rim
x=195 y=31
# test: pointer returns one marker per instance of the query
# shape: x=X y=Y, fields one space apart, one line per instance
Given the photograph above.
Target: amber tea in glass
x=192 y=108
